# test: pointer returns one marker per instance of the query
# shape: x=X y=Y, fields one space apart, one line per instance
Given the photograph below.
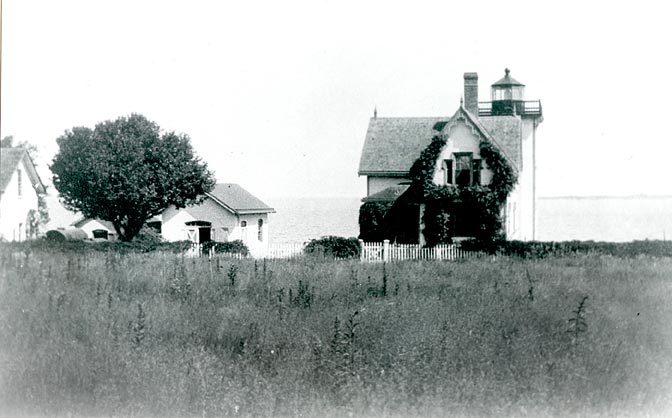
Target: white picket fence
x=369 y=252
x=273 y=251
x=386 y=251
x=283 y=250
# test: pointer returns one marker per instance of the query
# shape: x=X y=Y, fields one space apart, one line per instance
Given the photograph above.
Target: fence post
x=386 y=250
x=361 y=250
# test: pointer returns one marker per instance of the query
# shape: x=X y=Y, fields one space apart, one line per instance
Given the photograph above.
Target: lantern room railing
x=510 y=107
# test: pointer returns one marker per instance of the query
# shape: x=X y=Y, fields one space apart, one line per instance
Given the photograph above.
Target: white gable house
x=228 y=213
x=20 y=190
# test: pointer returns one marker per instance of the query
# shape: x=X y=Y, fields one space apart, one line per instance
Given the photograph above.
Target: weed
x=577 y=323
x=530 y=285
x=375 y=290
x=180 y=286
x=304 y=296
x=139 y=327
x=231 y=274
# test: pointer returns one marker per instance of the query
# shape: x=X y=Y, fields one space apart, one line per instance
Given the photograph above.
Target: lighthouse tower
x=507 y=112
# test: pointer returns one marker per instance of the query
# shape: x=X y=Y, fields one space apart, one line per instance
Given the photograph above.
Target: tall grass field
x=104 y=334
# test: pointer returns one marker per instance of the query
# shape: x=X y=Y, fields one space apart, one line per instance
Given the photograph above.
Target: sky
x=277 y=96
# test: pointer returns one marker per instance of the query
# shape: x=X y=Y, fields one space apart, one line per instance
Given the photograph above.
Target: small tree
x=127 y=171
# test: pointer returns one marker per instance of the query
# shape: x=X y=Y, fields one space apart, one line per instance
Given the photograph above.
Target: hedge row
x=136 y=246
x=540 y=249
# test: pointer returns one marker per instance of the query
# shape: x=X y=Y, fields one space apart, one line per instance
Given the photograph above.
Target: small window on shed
x=260 y=233
x=243 y=224
x=155 y=225
x=99 y=233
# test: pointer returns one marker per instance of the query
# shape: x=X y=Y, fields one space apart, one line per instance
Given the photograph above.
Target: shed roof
x=387 y=195
x=9 y=160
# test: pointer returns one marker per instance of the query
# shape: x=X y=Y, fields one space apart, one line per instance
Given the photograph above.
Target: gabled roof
x=486 y=134
x=84 y=220
x=506 y=130
x=237 y=200
x=9 y=161
x=392 y=145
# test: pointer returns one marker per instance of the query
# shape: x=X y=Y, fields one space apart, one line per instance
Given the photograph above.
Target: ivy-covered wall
x=451 y=210
x=372 y=221
x=445 y=211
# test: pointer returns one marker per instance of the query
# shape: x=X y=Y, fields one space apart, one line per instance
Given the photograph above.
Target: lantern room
x=508 y=96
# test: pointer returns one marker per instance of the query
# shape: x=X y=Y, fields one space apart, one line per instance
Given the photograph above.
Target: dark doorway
x=204 y=234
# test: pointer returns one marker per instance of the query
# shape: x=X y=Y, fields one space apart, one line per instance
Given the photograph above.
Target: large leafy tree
x=127 y=171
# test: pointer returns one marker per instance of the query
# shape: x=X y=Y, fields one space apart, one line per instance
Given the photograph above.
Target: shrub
x=336 y=247
x=230 y=247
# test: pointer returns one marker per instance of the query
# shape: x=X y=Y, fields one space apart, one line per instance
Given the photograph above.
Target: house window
x=463 y=169
x=447 y=171
x=476 y=174
x=260 y=233
x=243 y=230
x=467 y=169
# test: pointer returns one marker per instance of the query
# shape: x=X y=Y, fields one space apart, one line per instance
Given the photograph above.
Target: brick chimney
x=471 y=93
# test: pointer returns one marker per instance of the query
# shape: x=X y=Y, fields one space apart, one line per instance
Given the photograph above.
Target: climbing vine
x=477 y=208
x=372 y=221
x=479 y=205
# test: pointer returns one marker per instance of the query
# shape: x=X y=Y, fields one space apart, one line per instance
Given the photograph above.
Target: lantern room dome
x=508 y=89
x=507 y=80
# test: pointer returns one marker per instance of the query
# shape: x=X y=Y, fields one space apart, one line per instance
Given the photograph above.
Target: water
x=604 y=219
x=303 y=219
x=558 y=219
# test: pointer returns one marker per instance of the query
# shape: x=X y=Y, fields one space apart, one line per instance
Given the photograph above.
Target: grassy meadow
x=104 y=334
